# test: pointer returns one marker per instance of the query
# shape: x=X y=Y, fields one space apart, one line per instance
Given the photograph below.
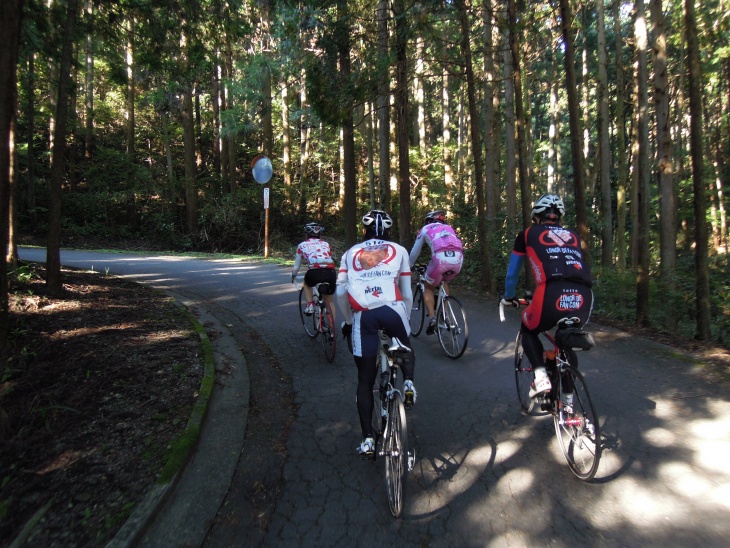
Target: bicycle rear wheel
x=396 y=455
x=523 y=376
x=418 y=311
x=578 y=429
x=452 y=329
x=307 y=321
x=329 y=332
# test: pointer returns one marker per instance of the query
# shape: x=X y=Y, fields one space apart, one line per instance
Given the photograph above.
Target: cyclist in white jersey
x=374 y=292
x=316 y=253
x=446 y=258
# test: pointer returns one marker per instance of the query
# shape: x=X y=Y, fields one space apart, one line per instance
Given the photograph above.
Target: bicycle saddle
x=568 y=322
x=397 y=346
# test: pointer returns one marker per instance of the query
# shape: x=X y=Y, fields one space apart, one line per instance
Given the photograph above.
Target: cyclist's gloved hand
x=292 y=277
x=346 y=330
x=514 y=303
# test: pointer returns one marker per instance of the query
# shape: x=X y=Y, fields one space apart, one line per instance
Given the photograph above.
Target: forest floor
x=96 y=385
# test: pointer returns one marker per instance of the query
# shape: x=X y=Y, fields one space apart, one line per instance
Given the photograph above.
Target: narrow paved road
x=485 y=474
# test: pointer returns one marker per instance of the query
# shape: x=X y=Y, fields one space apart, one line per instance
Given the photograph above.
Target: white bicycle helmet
x=437 y=216
x=313 y=229
x=377 y=222
x=548 y=205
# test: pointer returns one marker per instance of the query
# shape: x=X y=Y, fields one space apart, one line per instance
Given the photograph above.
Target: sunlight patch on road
x=505 y=451
x=512 y=538
x=682 y=479
x=711 y=437
x=516 y=482
x=660 y=437
x=712 y=456
x=641 y=507
x=721 y=495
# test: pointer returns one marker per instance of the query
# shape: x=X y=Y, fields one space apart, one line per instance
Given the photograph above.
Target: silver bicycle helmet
x=313 y=229
x=436 y=216
x=377 y=222
x=548 y=206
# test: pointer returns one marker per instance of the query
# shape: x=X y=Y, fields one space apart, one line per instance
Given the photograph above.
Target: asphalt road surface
x=485 y=474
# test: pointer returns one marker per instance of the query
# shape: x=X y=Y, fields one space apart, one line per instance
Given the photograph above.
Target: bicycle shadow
x=620 y=437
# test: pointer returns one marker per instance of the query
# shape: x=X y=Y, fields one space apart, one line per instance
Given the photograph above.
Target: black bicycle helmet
x=377 y=222
x=548 y=206
x=436 y=216
x=313 y=229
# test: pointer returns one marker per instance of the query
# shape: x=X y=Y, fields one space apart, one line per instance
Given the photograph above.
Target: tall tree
x=665 y=163
x=620 y=142
x=188 y=122
x=53 y=251
x=10 y=21
x=520 y=121
x=486 y=279
x=131 y=92
x=510 y=143
x=89 y=82
x=401 y=120
x=604 y=155
x=383 y=104
x=702 y=283
x=643 y=187
x=581 y=212
x=491 y=150
x=348 y=129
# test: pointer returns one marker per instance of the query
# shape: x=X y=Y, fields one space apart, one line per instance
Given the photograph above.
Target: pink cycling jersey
x=446 y=252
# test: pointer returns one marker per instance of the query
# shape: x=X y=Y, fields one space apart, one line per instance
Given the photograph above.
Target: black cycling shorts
x=316 y=276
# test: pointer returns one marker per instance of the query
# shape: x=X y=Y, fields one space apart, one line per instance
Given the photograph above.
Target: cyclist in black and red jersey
x=562 y=276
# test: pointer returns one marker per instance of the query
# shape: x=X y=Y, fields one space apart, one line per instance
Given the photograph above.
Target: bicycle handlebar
x=514 y=303
x=295 y=280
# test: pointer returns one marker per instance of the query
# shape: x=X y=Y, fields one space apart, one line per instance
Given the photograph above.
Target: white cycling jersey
x=374 y=271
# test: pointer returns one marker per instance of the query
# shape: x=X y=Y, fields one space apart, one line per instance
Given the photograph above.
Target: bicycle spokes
x=578 y=429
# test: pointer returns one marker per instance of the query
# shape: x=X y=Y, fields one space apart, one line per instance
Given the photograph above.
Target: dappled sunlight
x=512 y=538
x=681 y=479
x=446 y=476
x=516 y=482
x=637 y=506
x=660 y=437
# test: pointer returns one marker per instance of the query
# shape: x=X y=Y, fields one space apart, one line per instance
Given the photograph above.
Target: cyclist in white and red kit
x=446 y=258
x=316 y=253
x=374 y=292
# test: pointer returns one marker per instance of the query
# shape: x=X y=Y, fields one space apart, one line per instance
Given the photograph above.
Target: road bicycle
x=576 y=423
x=321 y=322
x=389 y=422
x=451 y=326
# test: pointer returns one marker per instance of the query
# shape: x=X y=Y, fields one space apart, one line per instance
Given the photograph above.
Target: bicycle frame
x=576 y=422
x=389 y=421
x=320 y=322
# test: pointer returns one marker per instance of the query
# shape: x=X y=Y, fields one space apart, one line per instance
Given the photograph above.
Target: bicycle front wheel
x=418 y=311
x=396 y=455
x=310 y=327
x=329 y=332
x=523 y=376
x=577 y=427
x=452 y=329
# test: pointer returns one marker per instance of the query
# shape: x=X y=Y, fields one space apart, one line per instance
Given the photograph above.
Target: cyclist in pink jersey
x=446 y=258
x=316 y=253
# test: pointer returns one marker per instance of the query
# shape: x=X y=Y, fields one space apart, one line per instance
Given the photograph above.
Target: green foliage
x=672 y=309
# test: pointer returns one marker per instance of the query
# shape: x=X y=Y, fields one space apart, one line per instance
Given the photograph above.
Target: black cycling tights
x=367 y=370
